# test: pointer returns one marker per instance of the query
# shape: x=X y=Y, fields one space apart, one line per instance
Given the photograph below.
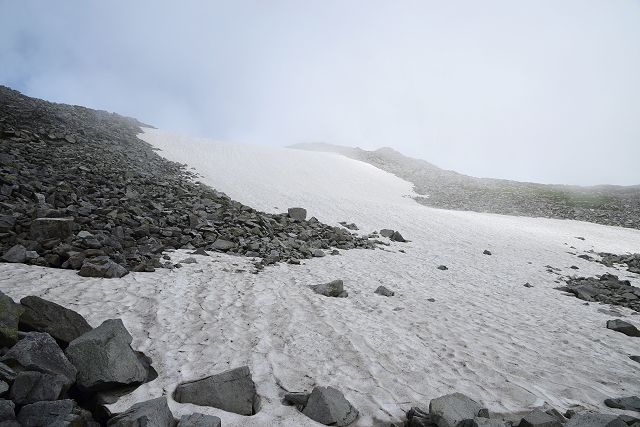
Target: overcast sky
x=545 y=91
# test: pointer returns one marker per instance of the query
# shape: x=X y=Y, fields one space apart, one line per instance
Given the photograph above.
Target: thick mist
x=541 y=91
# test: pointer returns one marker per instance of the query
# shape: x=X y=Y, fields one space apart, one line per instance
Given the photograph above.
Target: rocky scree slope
x=605 y=204
x=77 y=187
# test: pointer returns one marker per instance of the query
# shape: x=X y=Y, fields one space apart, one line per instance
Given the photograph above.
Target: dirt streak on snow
x=485 y=335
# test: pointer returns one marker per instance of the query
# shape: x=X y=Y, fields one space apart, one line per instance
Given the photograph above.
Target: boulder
x=32 y=386
x=296 y=399
x=51 y=228
x=4 y=387
x=152 y=413
x=16 y=253
x=297 y=213
x=223 y=245
x=199 y=420
x=442 y=267
x=623 y=327
x=331 y=289
x=102 y=266
x=328 y=406
x=232 y=391
x=385 y=232
x=7 y=410
x=104 y=358
x=9 y=319
x=7 y=374
x=454 y=410
x=397 y=237
x=384 y=291
x=538 y=418
x=631 y=403
x=62 y=324
x=593 y=419
x=39 y=352
x=486 y=252
x=58 y=413
x=318 y=253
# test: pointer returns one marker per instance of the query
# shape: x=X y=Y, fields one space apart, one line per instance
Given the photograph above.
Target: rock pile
x=631 y=260
x=79 y=190
x=607 y=289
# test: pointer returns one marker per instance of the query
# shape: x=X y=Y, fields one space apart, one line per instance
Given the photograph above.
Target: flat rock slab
x=199 y=420
x=623 y=327
x=9 y=319
x=104 y=358
x=452 y=409
x=39 y=352
x=328 y=406
x=62 y=324
x=331 y=289
x=154 y=412
x=232 y=391
x=592 y=419
x=538 y=418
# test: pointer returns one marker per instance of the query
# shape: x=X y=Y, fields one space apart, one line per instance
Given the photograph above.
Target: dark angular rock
x=199 y=420
x=9 y=317
x=57 y=413
x=486 y=252
x=442 y=267
x=31 y=387
x=7 y=374
x=623 y=327
x=631 y=403
x=232 y=391
x=105 y=359
x=299 y=214
x=7 y=410
x=385 y=232
x=51 y=228
x=538 y=418
x=453 y=410
x=223 y=245
x=62 y=324
x=592 y=419
x=331 y=289
x=296 y=399
x=152 y=413
x=39 y=352
x=397 y=237
x=328 y=406
x=16 y=254
x=102 y=266
x=384 y=291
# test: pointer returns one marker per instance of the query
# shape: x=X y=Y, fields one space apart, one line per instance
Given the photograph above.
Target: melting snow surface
x=485 y=335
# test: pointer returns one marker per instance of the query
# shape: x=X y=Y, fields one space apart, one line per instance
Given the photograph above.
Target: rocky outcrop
x=607 y=289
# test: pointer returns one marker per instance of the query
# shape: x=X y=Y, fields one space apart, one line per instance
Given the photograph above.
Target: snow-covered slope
x=485 y=335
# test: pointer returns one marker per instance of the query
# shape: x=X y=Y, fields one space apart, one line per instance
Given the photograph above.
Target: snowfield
x=485 y=335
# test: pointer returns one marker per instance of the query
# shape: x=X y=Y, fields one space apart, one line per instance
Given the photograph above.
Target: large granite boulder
x=104 y=358
x=232 y=391
x=199 y=420
x=152 y=413
x=9 y=317
x=454 y=410
x=7 y=410
x=57 y=413
x=328 y=406
x=102 y=266
x=16 y=253
x=39 y=352
x=51 y=228
x=45 y=316
x=623 y=327
x=32 y=386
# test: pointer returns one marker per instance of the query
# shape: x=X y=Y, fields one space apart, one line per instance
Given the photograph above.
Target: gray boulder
x=486 y=252
x=152 y=413
x=296 y=399
x=592 y=419
x=51 y=228
x=385 y=232
x=7 y=410
x=397 y=237
x=102 y=266
x=31 y=387
x=39 y=352
x=7 y=374
x=223 y=245
x=623 y=327
x=61 y=323
x=16 y=253
x=318 y=253
x=297 y=213
x=454 y=410
x=328 y=406
x=9 y=317
x=442 y=267
x=199 y=420
x=331 y=289
x=57 y=413
x=538 y=418
x=384 y=291
x=631 y=403
x=232 y=391
x=104 y=358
